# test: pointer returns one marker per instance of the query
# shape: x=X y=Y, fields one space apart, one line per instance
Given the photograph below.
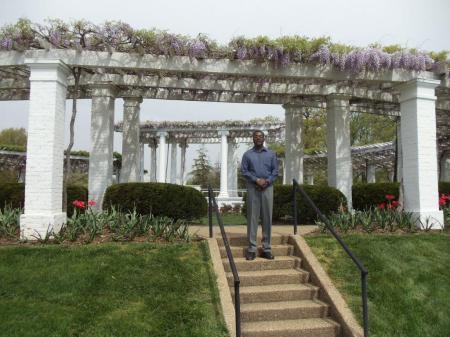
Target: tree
x=13 y=136
x=202 y=171
x=370 y=129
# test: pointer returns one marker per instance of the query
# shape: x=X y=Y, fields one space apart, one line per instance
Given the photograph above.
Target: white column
x=224 y=164
x=183 y=147
x=399 y=151
x=283 y=165
x=391 y=176
x=130 y=141
x=340 y=174
x=294 y=143
x=45 y=149
x=153 y=167
x=162 y=156
x=309 y=179
x=173 y=162
x=232 y=169
x=370 y=173
x=102 y=141
x=141 y=164
x=445 y=167
x=420 y=172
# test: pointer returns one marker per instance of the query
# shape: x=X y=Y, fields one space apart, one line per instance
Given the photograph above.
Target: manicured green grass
x=228 y=220
x=108 y=290
x=408 y=283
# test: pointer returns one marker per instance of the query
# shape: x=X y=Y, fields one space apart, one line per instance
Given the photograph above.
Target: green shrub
x=327 y=199
x=13 y=195
x=444 y=187
x=159 y=199
x=366 y=196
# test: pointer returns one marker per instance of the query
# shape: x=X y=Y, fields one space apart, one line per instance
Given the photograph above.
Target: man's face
x=258 y=139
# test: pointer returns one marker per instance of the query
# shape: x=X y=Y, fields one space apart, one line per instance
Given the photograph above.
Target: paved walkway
x=203 y=231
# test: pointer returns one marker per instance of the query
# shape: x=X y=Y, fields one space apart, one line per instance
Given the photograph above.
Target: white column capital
x=132 y=101
x=291 y=108
x=103 y=90
x=418 y=88
x=46 y=70
x=164 y=134
x=337 y=100
x=223 y=133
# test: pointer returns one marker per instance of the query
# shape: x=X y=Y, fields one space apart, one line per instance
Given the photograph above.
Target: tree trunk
x=76 y=74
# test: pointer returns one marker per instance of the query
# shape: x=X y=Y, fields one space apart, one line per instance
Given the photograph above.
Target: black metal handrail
x=212 y=204
x=296 y=186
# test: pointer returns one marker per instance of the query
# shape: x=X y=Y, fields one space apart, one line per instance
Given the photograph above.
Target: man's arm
x=274 y=169
x=245 y=169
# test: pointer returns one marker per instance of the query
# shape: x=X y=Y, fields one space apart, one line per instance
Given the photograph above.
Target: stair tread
x=291 y=324
x=276 y=287
x=263 y=306
x=260 y=259
x=269 y=272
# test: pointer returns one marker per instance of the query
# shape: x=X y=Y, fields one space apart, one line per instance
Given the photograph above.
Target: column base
x=221 y=201
x=38 y=225
x=429 y=220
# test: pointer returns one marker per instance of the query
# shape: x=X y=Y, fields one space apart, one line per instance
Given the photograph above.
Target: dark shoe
x=267 y=255
x=249 y=256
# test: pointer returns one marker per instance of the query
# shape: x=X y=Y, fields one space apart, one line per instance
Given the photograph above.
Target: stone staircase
x=277 y=299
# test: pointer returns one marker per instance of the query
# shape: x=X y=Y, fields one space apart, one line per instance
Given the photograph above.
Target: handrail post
x=364 y=300
x=294 y=201
x=210 y=212
x=237 y=308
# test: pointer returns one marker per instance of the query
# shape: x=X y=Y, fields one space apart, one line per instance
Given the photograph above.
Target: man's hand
x=262 y=183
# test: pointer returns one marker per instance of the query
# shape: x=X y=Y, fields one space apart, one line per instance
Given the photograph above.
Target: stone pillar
x=102 y=142
x=183 y=147
x=420 y=172
x=45 y=149
x=153 y=167
x=232 y=169
x=445 y=167
x=130 y=141
x=391 y=176
x=340 y=173
x=224 y=164
x=283 y=165
x=162 y=156
x=309 y=179
x=370 y=173
x=141 y=164
x=173 y=162
x=399 y=151
x=294 y=143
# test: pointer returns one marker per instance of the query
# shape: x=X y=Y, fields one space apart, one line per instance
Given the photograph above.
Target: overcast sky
x=410 y=23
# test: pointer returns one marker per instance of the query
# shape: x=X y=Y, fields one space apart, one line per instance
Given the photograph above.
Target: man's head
x=258 y=138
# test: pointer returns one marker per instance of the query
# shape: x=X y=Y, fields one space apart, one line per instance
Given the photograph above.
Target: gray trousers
x=259 y=204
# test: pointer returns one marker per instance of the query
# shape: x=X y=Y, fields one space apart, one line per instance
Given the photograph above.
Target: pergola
x=179 y=134
x=44 y=78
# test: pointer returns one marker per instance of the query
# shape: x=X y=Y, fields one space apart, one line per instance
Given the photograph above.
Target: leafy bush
x=9 y=222
x=13 y=195
x=158 y=199
x=327 y=199
x=366 y=196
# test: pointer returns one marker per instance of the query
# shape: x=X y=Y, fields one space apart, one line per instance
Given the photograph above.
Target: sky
x=410 y=23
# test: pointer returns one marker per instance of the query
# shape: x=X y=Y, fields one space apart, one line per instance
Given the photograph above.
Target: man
x=260 y=169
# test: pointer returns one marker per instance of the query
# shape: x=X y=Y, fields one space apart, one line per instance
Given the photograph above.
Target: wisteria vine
x=121 y=37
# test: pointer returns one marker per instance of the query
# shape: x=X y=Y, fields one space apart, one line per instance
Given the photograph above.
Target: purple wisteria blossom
x=322 y=55
x=241 y=53
x=7 y=43
x=198 y=49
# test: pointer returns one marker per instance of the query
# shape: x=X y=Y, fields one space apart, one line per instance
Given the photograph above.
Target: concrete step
x=241 y=240
x=280 y=262
x=272 y=311
x=312 y=327
x=268 y=277
x=276 y=293
x=277 y=250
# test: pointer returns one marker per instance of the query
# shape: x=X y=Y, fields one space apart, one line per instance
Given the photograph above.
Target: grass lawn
x=229 y=219
x=108 y=290
x=408 y=284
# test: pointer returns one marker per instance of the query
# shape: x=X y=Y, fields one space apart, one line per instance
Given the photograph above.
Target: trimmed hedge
x=327 y=199
x=366 y=196
x=370 y=195
x=13 y=194
x=159 y=199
